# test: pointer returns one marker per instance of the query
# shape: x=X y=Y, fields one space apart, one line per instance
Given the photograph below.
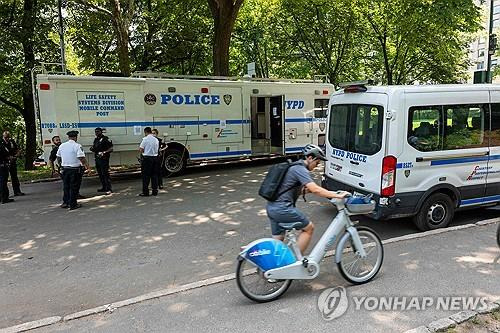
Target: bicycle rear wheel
x=359 y=270
x=255 y=286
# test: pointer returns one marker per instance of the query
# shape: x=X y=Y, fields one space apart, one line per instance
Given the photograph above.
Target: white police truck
x=199 y=118
x=422 y=151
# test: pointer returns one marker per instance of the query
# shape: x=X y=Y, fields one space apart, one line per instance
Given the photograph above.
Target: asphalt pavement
x=56 y=262
x=463 y=263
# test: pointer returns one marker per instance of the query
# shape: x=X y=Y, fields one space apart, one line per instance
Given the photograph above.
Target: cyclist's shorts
x=284 y=214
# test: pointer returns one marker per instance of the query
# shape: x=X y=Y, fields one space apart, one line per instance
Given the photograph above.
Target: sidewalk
x=456 y=263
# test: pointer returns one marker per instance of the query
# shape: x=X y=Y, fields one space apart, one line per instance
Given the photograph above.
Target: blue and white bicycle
x=266 y=267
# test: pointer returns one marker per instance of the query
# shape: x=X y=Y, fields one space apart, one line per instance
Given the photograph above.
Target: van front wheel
x=436 y=212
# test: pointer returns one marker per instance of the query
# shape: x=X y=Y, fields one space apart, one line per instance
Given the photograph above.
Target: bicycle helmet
x=315 y=151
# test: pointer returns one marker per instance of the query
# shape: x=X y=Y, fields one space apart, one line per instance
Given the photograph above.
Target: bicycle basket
x=360 y=205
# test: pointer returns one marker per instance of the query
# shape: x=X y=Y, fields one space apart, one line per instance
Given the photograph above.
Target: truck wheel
x=174 y=162
x=436 y=212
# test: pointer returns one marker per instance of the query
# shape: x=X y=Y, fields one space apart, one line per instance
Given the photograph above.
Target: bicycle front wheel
x=255 y=286
x=359 y=270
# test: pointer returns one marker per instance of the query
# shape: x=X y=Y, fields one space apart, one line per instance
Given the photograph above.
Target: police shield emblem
x=322 y=126
x=407 y=173
x=150 y=99
x=228 y=99
x=50 y=130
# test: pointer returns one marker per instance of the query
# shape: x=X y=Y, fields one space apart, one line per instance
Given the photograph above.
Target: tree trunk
x=224 y=13
x=27 y=33
x=121 y=31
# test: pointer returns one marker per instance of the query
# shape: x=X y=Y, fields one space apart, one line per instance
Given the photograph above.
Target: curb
x=111 y=307
x=443 y=324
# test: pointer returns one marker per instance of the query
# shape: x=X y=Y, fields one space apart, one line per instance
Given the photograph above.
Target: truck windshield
x=356 y=128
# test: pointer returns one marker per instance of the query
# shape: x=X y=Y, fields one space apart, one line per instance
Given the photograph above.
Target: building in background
x=479 y=47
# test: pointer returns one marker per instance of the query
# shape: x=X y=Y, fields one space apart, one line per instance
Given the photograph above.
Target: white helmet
x=314 y=151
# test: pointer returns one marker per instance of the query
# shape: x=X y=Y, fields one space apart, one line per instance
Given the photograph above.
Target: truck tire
x=174 y=162
x=436 y=212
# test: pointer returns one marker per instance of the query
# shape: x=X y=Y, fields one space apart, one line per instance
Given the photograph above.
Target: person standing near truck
x=14 y=153
x=102 y=149
x=149 y=148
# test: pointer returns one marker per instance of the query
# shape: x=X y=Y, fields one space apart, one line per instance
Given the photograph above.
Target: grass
x=38 y=173
x=44 y=172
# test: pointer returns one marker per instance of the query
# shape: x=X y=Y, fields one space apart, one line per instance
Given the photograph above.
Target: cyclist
x=296 y=181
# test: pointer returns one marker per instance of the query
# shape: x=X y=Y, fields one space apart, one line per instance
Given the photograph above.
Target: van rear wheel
x=436 y=212
x=174 y=162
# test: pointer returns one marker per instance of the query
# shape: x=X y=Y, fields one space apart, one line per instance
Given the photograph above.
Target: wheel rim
x=362 y=269
x=254 y=284
x=173 y=163
x=436 y=214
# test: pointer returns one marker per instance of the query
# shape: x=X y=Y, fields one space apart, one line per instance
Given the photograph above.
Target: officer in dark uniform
x=11 y=145
x=102 y=149
x=160 y=158
x=4 y=173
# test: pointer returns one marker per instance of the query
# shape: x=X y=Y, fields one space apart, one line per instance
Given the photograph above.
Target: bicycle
x=273 y=264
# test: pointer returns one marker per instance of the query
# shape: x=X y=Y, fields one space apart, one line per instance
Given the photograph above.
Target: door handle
x=355 y=163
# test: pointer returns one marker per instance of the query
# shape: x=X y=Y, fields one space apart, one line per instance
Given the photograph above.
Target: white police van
x=422 y=151
x=201 y=118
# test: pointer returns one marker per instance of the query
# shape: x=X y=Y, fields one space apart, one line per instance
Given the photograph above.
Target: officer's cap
x=72 y=134
x=99 y=129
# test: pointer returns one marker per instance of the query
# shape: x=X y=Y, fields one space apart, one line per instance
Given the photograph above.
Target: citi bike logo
x=261 y=252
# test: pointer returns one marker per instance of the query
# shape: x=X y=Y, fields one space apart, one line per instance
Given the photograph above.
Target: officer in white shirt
x=149 y=150
x=72 y=159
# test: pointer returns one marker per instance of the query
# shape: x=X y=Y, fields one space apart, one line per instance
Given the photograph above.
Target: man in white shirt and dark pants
x=72 y=159
x=149 y=150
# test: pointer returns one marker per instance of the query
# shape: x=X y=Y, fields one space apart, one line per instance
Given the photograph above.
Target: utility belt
x=71 y=168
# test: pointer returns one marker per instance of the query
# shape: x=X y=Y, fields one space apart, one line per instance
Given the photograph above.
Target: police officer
x=102 y=149
x=4 y=173
x=72 y=159
x=160 y=158
x=149 y=150
x=55 y=168
x=14 y=152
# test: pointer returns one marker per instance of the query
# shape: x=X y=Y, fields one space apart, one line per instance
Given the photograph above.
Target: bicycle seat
x=290 y=225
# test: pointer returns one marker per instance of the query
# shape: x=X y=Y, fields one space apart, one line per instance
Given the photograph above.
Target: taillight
x=44 y=86
x=388 y=176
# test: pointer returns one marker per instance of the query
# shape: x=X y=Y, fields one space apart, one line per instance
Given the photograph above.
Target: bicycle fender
x=340 y=245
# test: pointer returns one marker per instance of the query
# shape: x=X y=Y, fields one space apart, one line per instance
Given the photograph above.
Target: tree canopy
x=390 y=41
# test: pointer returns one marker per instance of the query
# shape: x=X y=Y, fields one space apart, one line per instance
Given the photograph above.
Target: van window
x=425 y=130
x=356 y=128
x=448 y=127
x=495 y=125
x=321 y=108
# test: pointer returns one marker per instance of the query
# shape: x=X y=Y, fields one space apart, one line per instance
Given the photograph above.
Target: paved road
x=55 y=262
x=458 y=263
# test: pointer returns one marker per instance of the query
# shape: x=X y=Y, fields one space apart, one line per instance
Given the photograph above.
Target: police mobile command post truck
x=199 y=118
x=422 y=151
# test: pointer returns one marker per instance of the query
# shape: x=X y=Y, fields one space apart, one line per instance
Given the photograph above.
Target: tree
x=420 y=40
x=224 y=14
x=121 y=15
x=324 y=33
x=164 y=41
x=22 y=50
